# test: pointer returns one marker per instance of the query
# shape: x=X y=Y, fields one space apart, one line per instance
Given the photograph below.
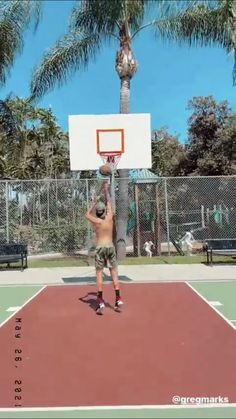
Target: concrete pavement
x=130 y=273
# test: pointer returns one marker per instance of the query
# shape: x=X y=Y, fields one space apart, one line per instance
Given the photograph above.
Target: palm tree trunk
x=126 y=67
x=122 y=197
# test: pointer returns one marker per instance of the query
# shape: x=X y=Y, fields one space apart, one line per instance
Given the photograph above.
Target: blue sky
x=168 y=76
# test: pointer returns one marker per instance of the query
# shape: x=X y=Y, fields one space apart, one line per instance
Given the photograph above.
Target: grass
x=158 y=260
x=179 y=260
x=59 y=262
x=68 y=261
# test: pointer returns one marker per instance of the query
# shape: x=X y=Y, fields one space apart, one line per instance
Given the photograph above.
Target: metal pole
x=220 y=209
x=21 y=204
x=87 y=201
x=48 y=201
x=167 y=217
x=157 y=224
x=113 y=194
x=202 y=215
x=7 y=213
x=137 y=219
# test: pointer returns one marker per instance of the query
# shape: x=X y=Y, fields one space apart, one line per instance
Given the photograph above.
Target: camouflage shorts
x=105 y=257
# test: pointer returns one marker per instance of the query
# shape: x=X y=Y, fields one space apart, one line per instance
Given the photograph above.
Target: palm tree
x=207 y=23
x=15 y=17
x=92 y=24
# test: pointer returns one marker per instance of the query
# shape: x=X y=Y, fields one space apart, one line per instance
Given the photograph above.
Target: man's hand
x=96 y=199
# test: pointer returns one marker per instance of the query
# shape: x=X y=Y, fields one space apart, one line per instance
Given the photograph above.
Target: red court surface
x=166 y=342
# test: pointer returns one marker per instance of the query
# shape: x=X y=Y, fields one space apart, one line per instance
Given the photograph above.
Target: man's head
x=100 y=210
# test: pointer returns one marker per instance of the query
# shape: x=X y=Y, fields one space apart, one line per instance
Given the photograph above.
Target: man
x=105 y=255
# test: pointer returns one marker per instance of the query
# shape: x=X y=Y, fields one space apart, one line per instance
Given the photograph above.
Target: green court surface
x=219 y=295
x=220 y=292
x=14 y=297
x=180 y=413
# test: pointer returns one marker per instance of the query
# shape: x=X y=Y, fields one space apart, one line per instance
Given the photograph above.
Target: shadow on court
x=92 y=279
x=91 y=300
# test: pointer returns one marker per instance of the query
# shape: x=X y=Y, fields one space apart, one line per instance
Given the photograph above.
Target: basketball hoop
x=111 y=158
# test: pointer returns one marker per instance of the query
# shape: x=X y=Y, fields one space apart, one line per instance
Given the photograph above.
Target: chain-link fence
x=49 y=215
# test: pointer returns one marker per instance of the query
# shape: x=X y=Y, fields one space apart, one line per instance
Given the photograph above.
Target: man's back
x=104 y=231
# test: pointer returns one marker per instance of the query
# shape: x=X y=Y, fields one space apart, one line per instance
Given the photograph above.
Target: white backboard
x=129 y=133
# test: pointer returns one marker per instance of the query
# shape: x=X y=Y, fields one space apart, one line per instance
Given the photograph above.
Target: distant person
x=148 y=247
x=186 y=243
x=105 y=254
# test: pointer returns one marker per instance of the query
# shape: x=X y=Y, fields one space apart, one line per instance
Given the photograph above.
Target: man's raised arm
x=106 y=188
x=89 y=214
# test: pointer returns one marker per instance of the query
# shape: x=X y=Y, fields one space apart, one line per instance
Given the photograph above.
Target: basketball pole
x=113 y=197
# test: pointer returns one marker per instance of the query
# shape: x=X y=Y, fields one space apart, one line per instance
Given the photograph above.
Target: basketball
x=105 y=170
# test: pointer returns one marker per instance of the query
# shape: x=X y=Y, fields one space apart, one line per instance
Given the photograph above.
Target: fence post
x=203 y=216
x=157 y=224
x=21 y=204
x=48 y=201
x=136 y=191
x=7 y=213
x=167 y=217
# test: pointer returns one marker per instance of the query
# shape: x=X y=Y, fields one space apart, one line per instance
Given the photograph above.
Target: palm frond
x=15 y=17
x=234 y=69
x=70 y=54
x=100 y=16
x=106 y=16
x=134 y=12
x=197 y=25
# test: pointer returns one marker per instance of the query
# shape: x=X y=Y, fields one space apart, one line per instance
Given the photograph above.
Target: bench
x=13 y=252
x=225 y=247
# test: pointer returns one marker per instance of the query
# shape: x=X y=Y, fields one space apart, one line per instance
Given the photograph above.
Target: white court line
x=118 y=407
x=20 y=308
x=128 y=281
x=13 y=308
x=212 y=307
x=215 y=303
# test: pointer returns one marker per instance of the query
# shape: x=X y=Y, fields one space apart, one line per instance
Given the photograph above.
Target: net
x=112 y=159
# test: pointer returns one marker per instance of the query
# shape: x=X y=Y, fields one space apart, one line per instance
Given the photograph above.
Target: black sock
x=117 y=294
x=100 y=295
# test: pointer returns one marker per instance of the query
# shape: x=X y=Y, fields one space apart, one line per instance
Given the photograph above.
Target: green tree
x=92 y=24
x=168 y=154
x=15 y=17
x=211 y=138
x=38 y=148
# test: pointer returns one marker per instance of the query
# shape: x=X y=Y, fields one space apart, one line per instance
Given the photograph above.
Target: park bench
x=13 y=252
x=225 y=247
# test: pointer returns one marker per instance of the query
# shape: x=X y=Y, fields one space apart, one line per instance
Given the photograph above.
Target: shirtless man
x=105 y=255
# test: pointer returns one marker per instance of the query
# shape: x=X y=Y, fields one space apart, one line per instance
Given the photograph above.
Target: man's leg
x=99 y=275
x=115 y=280
x=101 y=305
x=99 y=265
x=114 y=277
